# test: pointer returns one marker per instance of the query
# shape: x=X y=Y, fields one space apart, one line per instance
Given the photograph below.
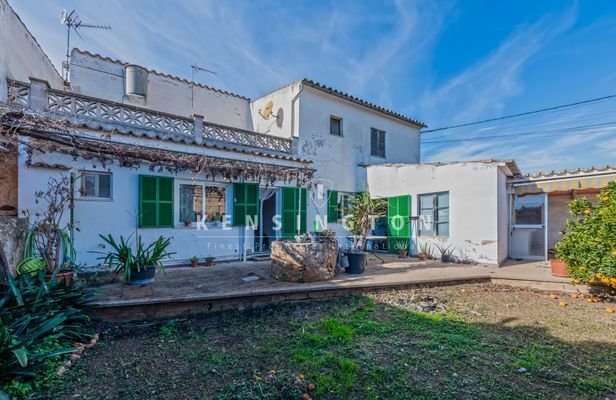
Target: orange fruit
x=562 y=304
x=614 y=253
x=609 y=310
x=577 y=281
x=553 y=296
x=311 y=387
x=587 y=211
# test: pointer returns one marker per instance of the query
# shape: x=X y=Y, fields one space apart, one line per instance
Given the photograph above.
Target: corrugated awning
x=563 y=185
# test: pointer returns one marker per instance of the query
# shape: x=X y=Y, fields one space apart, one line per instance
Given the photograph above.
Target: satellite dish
x=63 y=16
x=269 y=106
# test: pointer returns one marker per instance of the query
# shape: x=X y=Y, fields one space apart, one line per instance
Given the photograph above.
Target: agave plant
x=38 y=321
x=122 y=257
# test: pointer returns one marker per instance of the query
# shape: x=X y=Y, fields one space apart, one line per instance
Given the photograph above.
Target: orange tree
x=589 y=244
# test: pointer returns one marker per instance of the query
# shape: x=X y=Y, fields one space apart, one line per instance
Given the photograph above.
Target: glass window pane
x=442 y=229
x=215 y=203
x=89 y=185
x=191 y=200
x=527 y=242
x=104 y=186
x=529 y=209
x=442 y=215
x=442 y=199
x=425 y=201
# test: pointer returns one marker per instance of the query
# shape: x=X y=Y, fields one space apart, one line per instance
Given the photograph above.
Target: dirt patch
x=466 y=342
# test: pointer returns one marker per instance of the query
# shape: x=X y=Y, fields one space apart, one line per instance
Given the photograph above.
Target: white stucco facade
x=105 y=78
x=303 y=112
x=21 y=57
x=478 y=203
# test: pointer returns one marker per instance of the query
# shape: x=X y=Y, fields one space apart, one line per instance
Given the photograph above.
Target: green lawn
x=490 y=343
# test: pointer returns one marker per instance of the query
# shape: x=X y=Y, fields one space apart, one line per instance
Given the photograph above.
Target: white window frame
x=341 y=209
x=203 y=184
x=80 y=183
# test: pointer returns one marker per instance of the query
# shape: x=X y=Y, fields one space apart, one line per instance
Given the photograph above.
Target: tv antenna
x=72 y=21
x=195 y=69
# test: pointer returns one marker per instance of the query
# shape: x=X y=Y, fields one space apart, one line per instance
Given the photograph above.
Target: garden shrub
x=39 y=322
x=589 y=243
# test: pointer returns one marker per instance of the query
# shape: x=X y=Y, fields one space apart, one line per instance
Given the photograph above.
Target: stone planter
x=304 y=262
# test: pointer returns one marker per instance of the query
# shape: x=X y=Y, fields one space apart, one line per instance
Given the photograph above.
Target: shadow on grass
x=349 y=348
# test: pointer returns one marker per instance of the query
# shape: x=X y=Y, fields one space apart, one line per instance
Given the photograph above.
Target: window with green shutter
x=245 y=204
x=332 y=206
x=293 y=208
x=155 y=201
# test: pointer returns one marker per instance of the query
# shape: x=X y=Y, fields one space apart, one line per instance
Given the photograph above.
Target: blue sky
x=443 y=62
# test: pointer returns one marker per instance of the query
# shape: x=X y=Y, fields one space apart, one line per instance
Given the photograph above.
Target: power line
x=538 y=133
x=521 y=114
x=522 y=127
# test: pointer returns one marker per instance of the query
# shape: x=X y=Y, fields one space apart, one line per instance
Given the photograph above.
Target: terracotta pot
x=423 y=256
x=66 y=277
x=187 y=224
x=194 y=263
x=209 y=262
x=402 y=253
x=559 y=268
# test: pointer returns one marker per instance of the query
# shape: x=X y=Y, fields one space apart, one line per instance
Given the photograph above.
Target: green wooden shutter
x=155 y=201
x=293 y=204
x=398 y=220
x=245 y=203
x=332 y=206
x=302 y=210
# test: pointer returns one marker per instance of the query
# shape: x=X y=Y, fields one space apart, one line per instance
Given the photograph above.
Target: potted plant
x=558 y=267
x=445 y=250
x=194 y=261
x=424 y=251
x=139 y=264
x=209 y=261
x=188 y=222
x=363 y=209
x=48 y=239
x=402 y=245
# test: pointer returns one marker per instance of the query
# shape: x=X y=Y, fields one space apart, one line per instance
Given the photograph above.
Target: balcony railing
x=95 y=112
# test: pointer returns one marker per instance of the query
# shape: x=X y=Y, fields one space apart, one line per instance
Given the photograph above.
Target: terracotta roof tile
x=362 y=102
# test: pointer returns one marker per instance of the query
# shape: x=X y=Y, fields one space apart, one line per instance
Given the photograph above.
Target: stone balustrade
x=97 y=113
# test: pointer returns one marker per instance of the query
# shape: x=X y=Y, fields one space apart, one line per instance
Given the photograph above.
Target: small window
x=95 y=185
x=377 y=143
x=191 y=203
x=335 y=126
x=434 y=214
x=344 y=204
x=215 y=203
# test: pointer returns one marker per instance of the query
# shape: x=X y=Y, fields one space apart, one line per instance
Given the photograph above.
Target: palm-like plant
x=122 y=257
x=364 y=210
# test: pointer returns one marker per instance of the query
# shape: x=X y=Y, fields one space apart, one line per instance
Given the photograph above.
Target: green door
x=245 y=204
x=293 y=209
x=398 y=220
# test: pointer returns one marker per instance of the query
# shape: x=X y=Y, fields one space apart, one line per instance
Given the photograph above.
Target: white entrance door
x=528 y=227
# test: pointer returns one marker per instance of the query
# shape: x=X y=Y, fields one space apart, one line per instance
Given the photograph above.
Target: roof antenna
x=72 y=20
x=195 y=68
